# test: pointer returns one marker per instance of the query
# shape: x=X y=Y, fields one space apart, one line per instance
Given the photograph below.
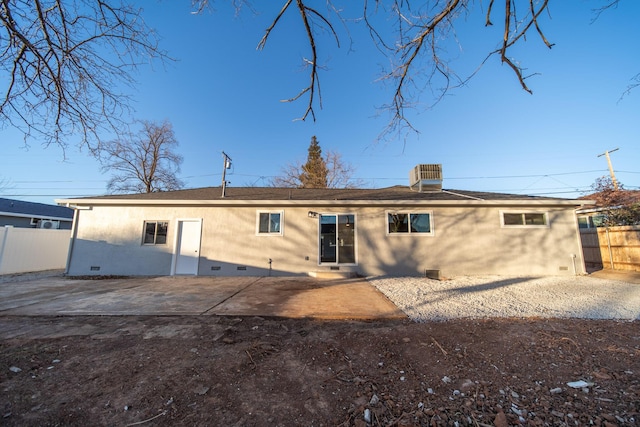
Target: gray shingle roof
x=397 y=192
x=37 y=210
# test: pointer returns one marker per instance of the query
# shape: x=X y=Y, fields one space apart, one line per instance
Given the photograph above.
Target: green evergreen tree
x=314 y=172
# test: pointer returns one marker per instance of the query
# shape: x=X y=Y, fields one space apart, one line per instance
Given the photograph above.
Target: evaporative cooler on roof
x=426 y=178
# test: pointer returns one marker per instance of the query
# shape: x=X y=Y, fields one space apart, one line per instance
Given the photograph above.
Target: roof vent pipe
x=426 y=178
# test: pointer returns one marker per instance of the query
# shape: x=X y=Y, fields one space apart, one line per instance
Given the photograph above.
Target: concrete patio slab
x=296 y=297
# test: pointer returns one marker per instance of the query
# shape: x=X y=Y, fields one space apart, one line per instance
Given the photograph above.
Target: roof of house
x=10 y=207
x=607 y=199
x=623 y=197
x=243 y=195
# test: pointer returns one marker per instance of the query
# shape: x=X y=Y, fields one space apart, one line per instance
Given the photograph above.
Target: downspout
x=74 y=233
x=583 y=266
x=3 y=244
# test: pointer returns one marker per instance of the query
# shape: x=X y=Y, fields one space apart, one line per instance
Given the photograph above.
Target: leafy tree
x=619 y=206
x=143 y=163
x=328 y=171
x=61 y=62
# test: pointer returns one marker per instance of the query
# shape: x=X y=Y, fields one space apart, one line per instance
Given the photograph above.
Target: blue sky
x=223 y=95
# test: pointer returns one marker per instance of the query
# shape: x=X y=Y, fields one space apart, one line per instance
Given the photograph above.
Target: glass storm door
x=337 y=239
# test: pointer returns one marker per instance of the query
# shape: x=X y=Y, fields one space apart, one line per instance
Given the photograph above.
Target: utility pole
x=613 y=176
x=227 y=165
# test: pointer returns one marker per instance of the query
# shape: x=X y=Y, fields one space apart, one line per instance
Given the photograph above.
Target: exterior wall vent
x=433 y=274
x=426 y=178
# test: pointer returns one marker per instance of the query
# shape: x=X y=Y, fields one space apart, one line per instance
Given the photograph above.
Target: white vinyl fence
x=24 y=250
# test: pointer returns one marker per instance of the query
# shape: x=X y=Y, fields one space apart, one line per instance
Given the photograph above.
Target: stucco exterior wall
x=472 y=241
x=466 y=240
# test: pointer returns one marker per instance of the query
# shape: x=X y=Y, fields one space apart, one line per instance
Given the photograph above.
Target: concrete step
x=333 y=274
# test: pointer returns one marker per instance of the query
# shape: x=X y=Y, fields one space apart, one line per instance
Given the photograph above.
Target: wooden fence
x=24 y=250
x=616 y=248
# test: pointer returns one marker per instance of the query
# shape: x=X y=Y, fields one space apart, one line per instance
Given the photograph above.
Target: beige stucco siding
x=470 y=241
x=230 y=241
x=465 y=240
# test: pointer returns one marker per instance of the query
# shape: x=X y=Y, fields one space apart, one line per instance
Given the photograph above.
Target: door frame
x=177 y=239
x=355 y=239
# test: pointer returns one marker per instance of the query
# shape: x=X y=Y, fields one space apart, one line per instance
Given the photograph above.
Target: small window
x=584 y=222
x=155 y=232
x=524 y=219
x=270 y=223
x=419 y=222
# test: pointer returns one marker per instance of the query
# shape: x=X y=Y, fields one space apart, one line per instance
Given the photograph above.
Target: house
x=401 y=230
x=605 y=201
x=22 y=214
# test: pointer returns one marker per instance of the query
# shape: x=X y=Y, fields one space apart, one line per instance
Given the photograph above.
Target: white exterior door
x=187 y=252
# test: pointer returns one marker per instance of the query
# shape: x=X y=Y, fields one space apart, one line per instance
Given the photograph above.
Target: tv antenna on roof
x=227 y=165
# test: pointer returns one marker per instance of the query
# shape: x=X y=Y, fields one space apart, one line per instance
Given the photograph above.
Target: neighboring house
x=595 y=216
x=402 y=230
x=34 y=215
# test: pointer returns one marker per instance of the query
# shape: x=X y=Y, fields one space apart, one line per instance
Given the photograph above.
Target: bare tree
x=340 y=174
x=328 y=171
x=144 y=163
x=61 y=61
x=5 y=184
x=417 y=51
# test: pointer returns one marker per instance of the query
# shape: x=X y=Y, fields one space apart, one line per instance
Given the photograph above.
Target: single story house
x=22 y=214
x=401 y=230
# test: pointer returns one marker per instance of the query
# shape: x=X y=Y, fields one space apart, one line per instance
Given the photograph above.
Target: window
x=524 y=219
x=155 y=232
x=270 y=223
x=591 y=221
x=419 y=222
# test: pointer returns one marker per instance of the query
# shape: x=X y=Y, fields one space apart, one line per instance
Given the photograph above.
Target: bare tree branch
x=416 y=54
x=306 y=13
x=60 y=63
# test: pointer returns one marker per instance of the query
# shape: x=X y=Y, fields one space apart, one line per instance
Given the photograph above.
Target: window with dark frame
x=409 y=223
x=524 y=219
x=269 y=223
x=155 y=232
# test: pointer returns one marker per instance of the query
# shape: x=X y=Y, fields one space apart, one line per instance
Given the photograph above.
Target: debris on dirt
x=180 y=371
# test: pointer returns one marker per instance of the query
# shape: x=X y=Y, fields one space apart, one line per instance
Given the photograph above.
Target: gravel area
x=580 y=297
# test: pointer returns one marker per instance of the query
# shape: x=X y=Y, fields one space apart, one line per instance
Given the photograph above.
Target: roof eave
x=27 y=215
x=75 y=203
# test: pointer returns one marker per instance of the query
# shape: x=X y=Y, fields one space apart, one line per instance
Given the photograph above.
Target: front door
x=337 y=239
x=187 y=253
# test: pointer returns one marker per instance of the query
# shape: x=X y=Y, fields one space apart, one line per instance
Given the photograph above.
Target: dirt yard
x=225 y=371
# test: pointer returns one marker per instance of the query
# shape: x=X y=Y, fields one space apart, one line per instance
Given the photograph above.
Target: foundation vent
x=426 y=178
x=433 y=274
